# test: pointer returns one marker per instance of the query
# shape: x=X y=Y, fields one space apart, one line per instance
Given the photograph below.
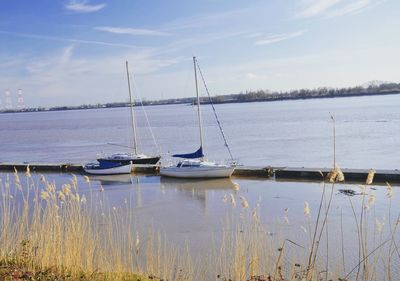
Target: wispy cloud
x=275 y=38
x=333 y=8
x=83 y=6
x=317 y=7
x=62 y=76
x=351 y=8
x=195 y=41
x=70 y=40
x=131 y=31
x=52 y=62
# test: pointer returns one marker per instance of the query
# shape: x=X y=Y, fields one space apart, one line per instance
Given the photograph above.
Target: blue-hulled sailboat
x=194 y=164
x=122 y=162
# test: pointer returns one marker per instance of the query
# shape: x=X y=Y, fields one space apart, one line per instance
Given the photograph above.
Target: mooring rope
x=215 y=112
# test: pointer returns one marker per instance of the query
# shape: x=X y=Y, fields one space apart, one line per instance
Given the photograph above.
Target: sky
x=73 y=52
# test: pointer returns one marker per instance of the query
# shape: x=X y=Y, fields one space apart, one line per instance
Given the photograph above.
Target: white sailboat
x=194 y=164
x=123 y=162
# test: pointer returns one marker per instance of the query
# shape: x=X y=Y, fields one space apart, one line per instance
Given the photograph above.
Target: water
x=290 y=133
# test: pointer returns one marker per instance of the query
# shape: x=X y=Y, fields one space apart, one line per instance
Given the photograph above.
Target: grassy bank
x=13 y=270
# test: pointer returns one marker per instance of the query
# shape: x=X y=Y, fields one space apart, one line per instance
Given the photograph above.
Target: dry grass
x=51 y=233
x=45 y=227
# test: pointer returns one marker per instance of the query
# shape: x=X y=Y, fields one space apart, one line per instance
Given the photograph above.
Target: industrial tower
x=7 y=101
x=20 y=100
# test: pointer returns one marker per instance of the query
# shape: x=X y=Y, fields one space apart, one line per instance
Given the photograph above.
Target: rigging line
x=121 y=145
x=215 y=112
x=146 y=117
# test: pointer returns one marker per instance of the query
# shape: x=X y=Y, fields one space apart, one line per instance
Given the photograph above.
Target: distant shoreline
x=259 y=96
x=304 y=98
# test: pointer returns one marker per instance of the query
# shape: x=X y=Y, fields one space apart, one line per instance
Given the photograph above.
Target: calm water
x=293 y=133
x=290 y=133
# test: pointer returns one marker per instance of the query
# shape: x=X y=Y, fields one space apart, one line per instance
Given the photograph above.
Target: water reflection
x=198 y=189
x=198 y=184
x=110 y=180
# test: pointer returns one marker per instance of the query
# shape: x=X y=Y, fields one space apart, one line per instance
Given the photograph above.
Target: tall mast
x=198 y=103
x=132 y=112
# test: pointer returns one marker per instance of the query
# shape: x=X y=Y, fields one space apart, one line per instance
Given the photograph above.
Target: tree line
x=323 y=92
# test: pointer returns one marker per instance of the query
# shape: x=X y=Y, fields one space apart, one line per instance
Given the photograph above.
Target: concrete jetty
x=251 y=171
x=350 y=175
x=42 y=167
x=278 y=173
x=64 y=167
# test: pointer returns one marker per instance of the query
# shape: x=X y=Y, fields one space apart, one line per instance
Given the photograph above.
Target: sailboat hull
x=134 y=161
x=197 y=172
x=117 y=170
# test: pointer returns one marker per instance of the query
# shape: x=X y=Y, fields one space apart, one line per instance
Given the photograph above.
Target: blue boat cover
x=196 y=154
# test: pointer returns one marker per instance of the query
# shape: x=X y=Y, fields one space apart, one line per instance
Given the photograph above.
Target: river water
x=287 y=133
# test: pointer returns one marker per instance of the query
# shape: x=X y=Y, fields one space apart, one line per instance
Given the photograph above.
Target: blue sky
x=73 y=52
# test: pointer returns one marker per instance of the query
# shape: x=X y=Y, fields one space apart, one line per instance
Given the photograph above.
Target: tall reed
x=45 y=226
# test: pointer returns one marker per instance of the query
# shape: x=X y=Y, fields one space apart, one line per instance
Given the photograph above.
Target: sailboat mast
x=132 y=112
x=198 y=103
